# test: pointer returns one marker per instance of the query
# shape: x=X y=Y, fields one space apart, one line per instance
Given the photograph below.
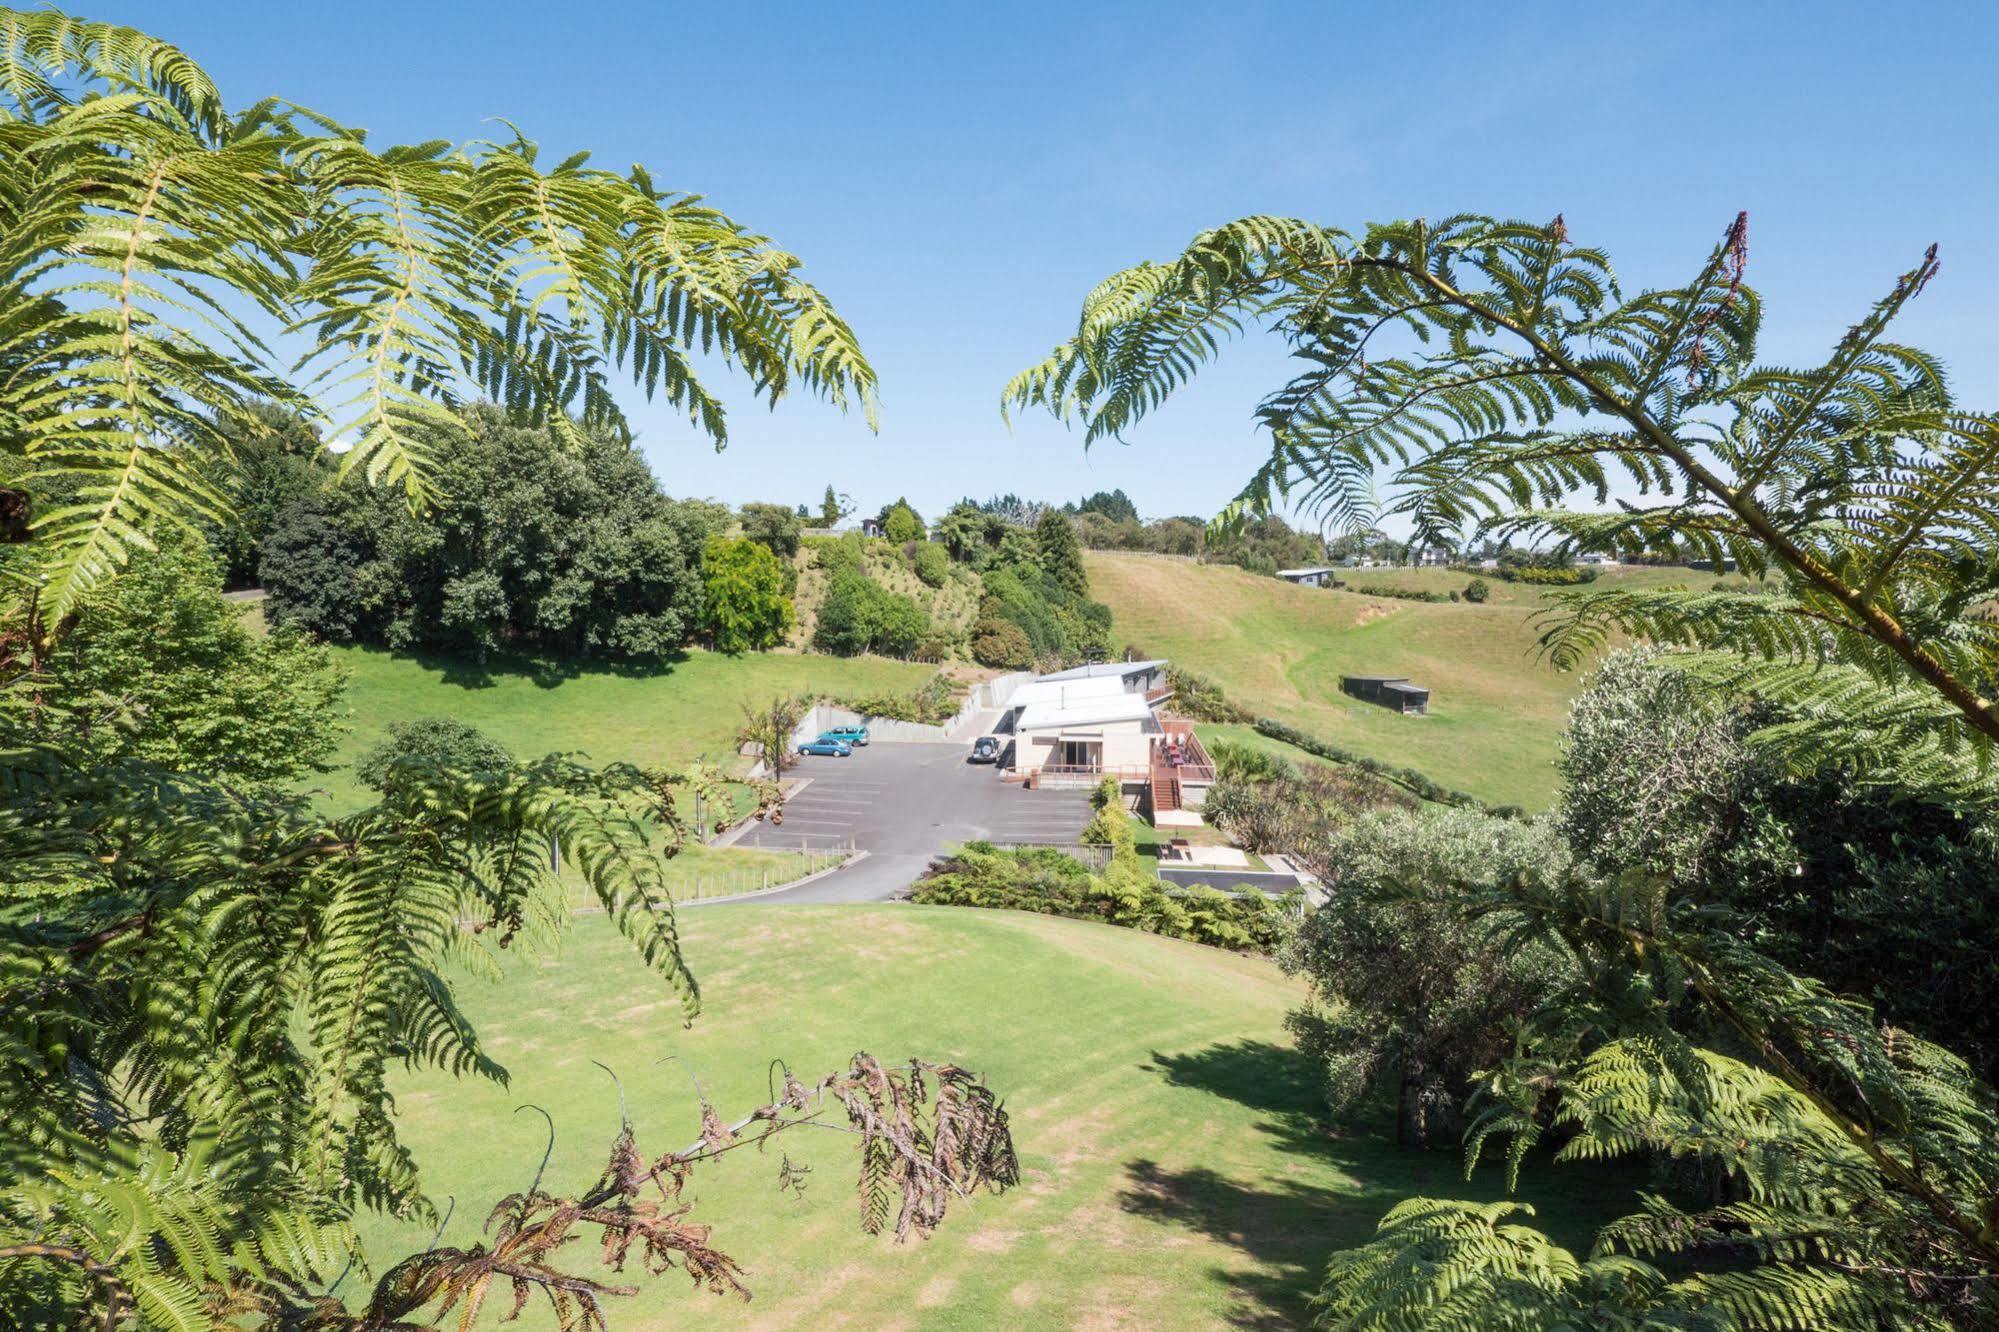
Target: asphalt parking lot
x=902 y=804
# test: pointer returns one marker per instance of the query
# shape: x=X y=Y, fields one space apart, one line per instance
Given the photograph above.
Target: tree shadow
x=1288 y=1223
x=544 y=671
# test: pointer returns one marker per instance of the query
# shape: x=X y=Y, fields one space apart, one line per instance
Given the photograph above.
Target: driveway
x=903 y=804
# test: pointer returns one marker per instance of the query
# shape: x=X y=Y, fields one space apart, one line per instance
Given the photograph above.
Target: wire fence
x=723 y=873
x=1096 y=857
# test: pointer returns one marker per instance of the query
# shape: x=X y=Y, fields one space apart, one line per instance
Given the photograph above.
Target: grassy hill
x=1495 y=709
x=1174 y=1174
x=668 y=714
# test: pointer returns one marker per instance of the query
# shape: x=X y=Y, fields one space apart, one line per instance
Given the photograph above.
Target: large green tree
x=535 y=545
x=1496 y=372
x=747 y=609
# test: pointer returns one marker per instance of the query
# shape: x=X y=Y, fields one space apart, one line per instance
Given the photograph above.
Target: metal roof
x=1118 y=707
x=1101 y=669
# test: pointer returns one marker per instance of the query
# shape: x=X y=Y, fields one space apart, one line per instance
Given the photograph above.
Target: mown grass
x=1174 y=1172
x=1496 y=707
x=671 y=714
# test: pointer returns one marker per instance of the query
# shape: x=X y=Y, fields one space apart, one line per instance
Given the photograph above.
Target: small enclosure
x=1390 y=691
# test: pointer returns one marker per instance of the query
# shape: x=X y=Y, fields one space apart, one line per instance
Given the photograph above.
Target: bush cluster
x=937 y=701
x=860 y=615
x=1044 y=880
x=1409 y=778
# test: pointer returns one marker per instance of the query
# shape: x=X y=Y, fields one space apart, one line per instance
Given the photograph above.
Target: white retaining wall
x=981 y=699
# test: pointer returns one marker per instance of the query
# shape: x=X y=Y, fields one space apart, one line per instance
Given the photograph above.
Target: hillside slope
x=1280 y=650
x=1174 y=1172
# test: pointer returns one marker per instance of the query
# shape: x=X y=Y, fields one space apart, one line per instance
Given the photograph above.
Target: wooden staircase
x=1165 y=788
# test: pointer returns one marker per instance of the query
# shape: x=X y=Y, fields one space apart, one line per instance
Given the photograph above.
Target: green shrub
x=901 y=524
x=441 y=741
x=1000 y=643
x=1111 y=825
x=745 y=606
x=858 y=615
x=1202 y=699
x=937 y=701
x=1040 y=879
x=931 y=564
x=1477 y=591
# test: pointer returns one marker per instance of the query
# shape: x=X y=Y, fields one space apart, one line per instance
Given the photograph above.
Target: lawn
x=1174 y=1175
x=670 y=714
x=1496 y=708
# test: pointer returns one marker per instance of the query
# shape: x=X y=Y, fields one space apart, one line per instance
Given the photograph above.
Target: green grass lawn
x=1496 y=708
x=671 y=714
x=1174 y=1174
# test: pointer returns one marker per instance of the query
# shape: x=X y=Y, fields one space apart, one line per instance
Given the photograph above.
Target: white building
x=1315 y=576
x=1077 y=727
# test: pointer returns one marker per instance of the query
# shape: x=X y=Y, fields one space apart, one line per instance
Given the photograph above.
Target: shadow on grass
x=543 y=670
x=1288 y=1223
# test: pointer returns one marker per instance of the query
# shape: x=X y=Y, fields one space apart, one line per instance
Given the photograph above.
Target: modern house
x=1433 y=557
x=1076 y=727
x=1390 y=691
x=1316 y=576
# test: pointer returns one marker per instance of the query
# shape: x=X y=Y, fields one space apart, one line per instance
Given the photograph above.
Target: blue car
x=853 y=735
x=827 y=747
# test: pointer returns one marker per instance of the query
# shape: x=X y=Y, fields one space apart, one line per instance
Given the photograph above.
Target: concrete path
x=905 y=804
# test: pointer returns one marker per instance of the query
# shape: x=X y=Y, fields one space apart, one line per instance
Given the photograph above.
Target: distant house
x=1431 y=557
x=1488 y=564
x=1360 y=562
x=1316 y=576
x=1390 y=691
x=1597 y=558
x=871 y=527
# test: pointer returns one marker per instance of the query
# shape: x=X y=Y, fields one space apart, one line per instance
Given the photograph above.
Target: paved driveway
x=902 y=804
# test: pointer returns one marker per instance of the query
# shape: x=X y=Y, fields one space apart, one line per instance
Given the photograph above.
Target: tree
x=1112 y=504
x=1477 y=591
x=204 y=1002
x=160 y=667
x=276 y=458
x=1867 y=503
x=1000 y=643
x=409 y=278
x=931 y=564
x=773 y=527
x=1061 y=557
x=832 y=508
x=901 y=523
x=859 y=615
x=766 y=731
x=1410 y=998
x=747 y=609
x=428 y=743
x=541 y=546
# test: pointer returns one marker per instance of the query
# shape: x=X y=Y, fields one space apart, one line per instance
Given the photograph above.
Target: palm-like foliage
x=165 y=263
x=1494 y=372
x=1485 y=374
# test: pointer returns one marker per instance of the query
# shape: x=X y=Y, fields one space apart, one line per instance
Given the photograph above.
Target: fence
x=693 y=879
x=1097 y=858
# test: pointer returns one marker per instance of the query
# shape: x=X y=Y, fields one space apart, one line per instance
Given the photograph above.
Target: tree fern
x=151 y=241
x=1479 y=376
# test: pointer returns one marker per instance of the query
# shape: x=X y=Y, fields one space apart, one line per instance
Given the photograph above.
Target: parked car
x=853 y=735
x=985 y=749
x=827 y=747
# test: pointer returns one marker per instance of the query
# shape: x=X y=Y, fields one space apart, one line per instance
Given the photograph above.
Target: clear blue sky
x=957 y=176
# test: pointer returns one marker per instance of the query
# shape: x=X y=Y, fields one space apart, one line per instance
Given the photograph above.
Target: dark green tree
x=901 y=523
x=1060 y=556
x=541 y=546
x=423 y=744
x=1112 y=504
x=772 y=526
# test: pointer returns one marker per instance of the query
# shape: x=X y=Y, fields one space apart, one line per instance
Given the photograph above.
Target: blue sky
x=956 y=177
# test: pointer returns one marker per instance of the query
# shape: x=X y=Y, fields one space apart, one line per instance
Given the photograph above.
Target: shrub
x=937 y=701
x=1409 y=999
x=773 y=527
x=858 y=615
x=1000 y=643
x=931 y=563
x=847 y=553
x=1416 y=782
x=441 y=741
x=1111 y=825
x=901 y=524
x=1040 y=879
x=1202 y=699
x=1477 y=591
